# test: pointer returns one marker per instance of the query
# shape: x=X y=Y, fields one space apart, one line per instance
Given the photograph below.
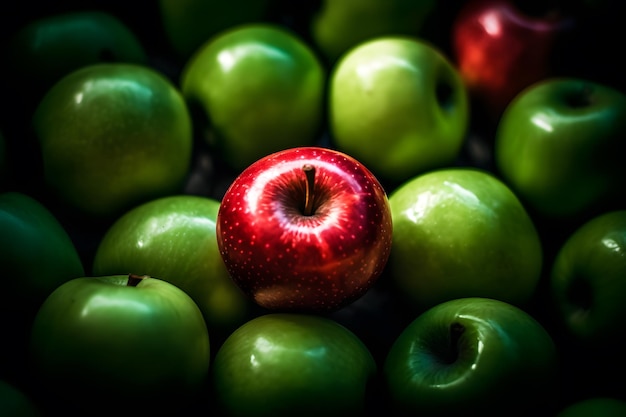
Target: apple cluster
x=323 y=207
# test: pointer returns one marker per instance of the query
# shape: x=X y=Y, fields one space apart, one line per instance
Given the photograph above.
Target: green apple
x=476 y=355
x=119 y=344
x=36 y=253
x=595 y=406
x=187 y=24
x=173 y=238
x=338 y=25
x=47 y=48
x=559 y=145
x=113 y=136
x=262 y=89
x=292 y=365
x=461 y=232
x=588 y=280
x=15 y=402
x=398 y=105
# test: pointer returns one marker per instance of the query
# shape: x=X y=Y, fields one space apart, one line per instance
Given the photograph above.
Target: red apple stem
x=309 y=171
x=134 y=280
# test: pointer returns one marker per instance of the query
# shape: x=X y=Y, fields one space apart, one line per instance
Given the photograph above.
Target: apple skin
x=113 y=136
x=476 y=354
x=47 y=48
x=173 y=238
x=30 y=231
x=500 y=49
x=398 y=105
x=15 y=402
x=461 y=232
x=145 y=346
x=594 y=406
x=286 y=259
x=189 y=23
x=261 y=87
x=559 y=145
x=338 y=25
x=588 y=280
x=286 y=364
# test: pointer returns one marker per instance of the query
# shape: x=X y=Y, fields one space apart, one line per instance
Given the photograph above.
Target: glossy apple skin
x=30 y=231
x=476 y=354
x=173 y=238
x=588 y=280
x=287 y=260
x=461 y=232
x=499 y=49
x=559 y=146
x=45 y=49
x=113 y=136
x=188 y=24
x=261 y=88
x=284 y=364
x=339 y=25
x=398 y=105
x=595 y=406
x=145 y=346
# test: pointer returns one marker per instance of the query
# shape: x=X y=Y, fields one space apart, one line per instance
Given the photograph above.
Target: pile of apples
x=307 y=208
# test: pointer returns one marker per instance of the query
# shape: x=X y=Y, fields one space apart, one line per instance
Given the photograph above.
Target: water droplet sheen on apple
x=290 y=257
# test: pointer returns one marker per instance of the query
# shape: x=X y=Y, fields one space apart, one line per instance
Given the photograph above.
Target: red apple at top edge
x=499 y=49
x=305 y=229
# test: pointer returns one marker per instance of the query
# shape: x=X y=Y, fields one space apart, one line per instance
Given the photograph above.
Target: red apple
x=305 y=229
x=500 y=48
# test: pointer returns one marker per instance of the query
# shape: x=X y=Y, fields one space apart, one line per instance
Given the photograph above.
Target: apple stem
x=456 y=331
x=309 y=171
x=134 y=279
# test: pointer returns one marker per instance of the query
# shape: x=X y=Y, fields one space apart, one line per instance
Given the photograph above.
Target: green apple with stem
x=472 y=354
x=120 y=343
x=398 y=105
x=49 y=47
x=461 y=232
x=173 y=238
x=338 y=25
x=588 y=280
x=559 y=145
x=187 y=24
x=113 y=136
x=287 y=364
x=261 y=89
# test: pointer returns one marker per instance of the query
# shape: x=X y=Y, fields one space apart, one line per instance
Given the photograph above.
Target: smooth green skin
x=386 y=107
x=461 y=232
x=173 y=238
x=339 y=25
x=44 y=50
x=190 y=23
x=36 y=253
x=146 y=346
x=292 y=365
x=503 y=363
x=595 y=406
x=588 y=279
x=14 y=402
x=561 y=157
x=262 y=89
x=113 y=136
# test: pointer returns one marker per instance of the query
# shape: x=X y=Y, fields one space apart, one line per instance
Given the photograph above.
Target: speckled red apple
x=305 y=229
